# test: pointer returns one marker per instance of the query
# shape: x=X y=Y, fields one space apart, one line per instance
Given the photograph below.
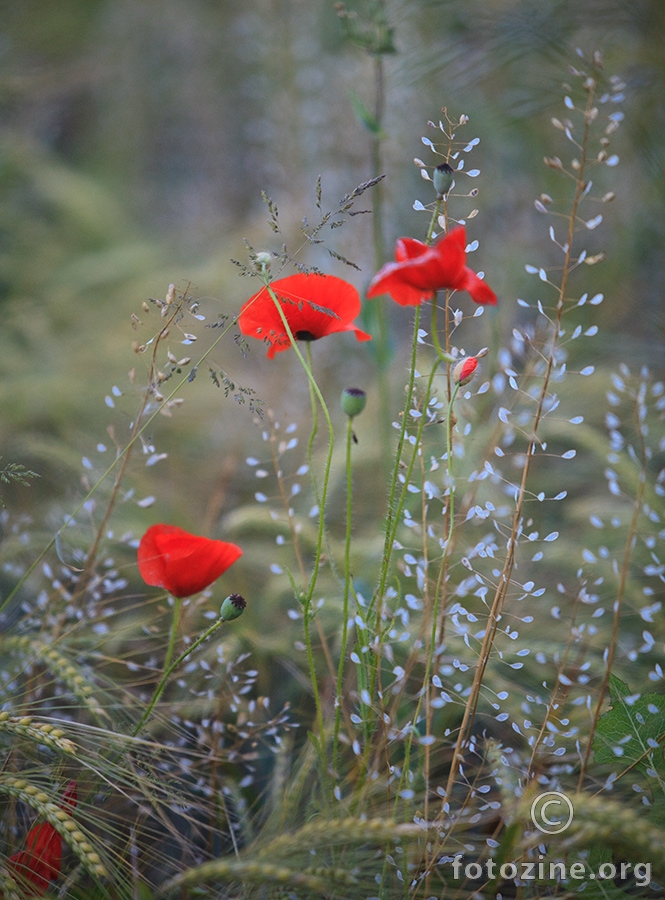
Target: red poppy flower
x=180 y=562
x=421 y=270
x=314 y=305
x=40 y=862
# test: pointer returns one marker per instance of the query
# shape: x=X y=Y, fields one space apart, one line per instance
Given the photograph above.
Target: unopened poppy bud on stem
x=353 y=401
x=232 y=607
x=442 y=179
x=465 y=370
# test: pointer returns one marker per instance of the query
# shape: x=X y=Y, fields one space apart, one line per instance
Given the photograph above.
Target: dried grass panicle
x=9 y=890
x=326 y=832
x=290 y=849
x=44 y=733
x=67 y=827
x=73 y=676
x=331 y=876
x=247 y=871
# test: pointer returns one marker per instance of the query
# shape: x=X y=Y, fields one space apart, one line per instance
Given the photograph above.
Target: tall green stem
x=347 y=590
x=443 y=355
x=177 y=606
x=318 y=553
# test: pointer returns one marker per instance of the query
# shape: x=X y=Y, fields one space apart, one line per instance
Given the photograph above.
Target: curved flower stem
x=450 y=519
x=449 y=465
x=396 y=508
x=315 y=426
x=170 y=668
x=308 y=614
x=375 y=607
x=347 y=591
x=392 y=515
x=396 y=504
x=431 y=648
x=443 y=355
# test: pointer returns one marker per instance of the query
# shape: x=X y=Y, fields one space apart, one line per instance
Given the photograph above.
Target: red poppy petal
x=359 y=333
x=409 y=248
x=24 y=866
x=450 y=253
x=420 y=270
x=182 y=563
x=480 y=291
x=70 y=796
x=150 y=560
x=396 y=279
x=464 y=370
x=39 y=863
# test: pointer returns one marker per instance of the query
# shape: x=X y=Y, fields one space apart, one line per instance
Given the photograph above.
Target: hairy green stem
x=308 y=613
x=347 y=590
x=175 y=622
x=169 y=669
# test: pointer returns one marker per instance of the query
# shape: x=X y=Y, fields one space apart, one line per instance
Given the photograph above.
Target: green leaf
x=630 y=734
x=602 y=889
x=365 y=117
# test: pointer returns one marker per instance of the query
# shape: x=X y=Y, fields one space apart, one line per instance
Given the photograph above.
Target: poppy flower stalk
x=233 y=606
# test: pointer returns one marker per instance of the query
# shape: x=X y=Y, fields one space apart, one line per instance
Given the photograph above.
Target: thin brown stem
x=504 y=582
x=91 y=557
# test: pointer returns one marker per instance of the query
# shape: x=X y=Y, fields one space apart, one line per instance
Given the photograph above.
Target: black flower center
x=305 y=336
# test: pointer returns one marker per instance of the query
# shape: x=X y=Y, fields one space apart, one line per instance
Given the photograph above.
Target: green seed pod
x=232 y=607
x=353 y=401
x=442 y=178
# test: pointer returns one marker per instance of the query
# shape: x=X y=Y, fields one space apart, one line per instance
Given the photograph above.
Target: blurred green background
x=135 y=142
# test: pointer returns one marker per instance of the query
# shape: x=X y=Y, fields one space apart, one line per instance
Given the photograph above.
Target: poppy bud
x=353 y=401
x=442 y=178
x=232 y=607
x=465 y=370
